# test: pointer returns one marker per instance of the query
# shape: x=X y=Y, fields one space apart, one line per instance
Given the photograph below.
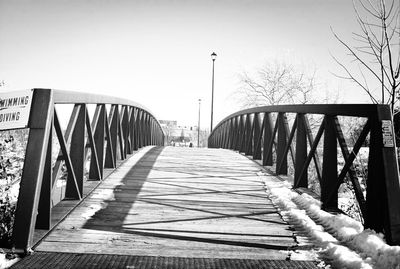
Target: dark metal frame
x=128 y=126
x=247 y=133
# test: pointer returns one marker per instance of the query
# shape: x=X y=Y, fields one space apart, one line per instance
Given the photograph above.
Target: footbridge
x=104 y=192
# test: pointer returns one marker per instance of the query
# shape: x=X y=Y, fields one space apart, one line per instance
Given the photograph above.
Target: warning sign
x=14 y=109
x=387 y=134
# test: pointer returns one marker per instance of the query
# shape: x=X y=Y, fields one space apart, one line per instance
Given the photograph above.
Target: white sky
x=157 y=52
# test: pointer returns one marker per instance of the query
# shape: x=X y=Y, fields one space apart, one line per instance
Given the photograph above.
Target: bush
x=7 y=213
x=12 y=151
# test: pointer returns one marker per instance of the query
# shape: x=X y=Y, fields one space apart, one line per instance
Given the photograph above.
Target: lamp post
x=213 y=57
x=198 y=127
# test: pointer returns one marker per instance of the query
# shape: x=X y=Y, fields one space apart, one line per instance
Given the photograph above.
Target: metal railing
x=109 y=135
x=252 y=132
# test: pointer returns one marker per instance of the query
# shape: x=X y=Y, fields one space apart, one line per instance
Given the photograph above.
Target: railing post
x=120 y=135
x=245 y=134
x=131 y=129
x=241 y=133
x=148 y=130
x=301 y=153
x=113 y=121
x=268 y=140
x=151 y=130
x=40 y=122
x=125 y=130
x=140 y=128
x=281 y=157
x=329 y=166
x=219 y=135
x=99 y=138
x=257 y=137
x=145 y=129
x=237 y=133
x=77 y=154
x=250 y=136
x=135 y=128
x=231 y=131
x=226 y=134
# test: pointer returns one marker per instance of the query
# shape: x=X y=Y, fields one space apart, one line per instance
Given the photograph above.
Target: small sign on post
x=14 y=109
x=387 y=134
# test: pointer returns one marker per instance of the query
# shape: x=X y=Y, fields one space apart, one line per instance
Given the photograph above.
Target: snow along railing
x=128 y=126
x=252 y=132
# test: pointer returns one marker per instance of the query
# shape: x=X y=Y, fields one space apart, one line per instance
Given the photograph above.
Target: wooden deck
x=178 y=202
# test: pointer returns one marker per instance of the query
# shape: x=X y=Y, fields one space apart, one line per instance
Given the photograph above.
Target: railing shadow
x=176 y=198
x=122 y=203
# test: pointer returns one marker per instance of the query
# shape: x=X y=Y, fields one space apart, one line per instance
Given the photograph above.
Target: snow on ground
x=343 y=242
x=5 y=262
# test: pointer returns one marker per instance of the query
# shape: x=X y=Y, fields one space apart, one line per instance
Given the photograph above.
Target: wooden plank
x=171 y=201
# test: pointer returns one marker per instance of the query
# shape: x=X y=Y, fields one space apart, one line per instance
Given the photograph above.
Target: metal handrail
x=74 y=97
x=352 y=110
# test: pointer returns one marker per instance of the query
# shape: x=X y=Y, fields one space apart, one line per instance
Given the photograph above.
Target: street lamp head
x=213 y=56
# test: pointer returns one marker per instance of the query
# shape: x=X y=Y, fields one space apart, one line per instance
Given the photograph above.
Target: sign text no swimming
x=14 y=109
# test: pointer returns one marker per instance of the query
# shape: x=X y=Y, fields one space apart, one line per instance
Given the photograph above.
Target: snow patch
x=343 y=241
x=6 y=263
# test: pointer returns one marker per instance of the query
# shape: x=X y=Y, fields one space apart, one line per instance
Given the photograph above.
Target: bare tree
x=276 y=83
x=375 y=64
x=168 y=130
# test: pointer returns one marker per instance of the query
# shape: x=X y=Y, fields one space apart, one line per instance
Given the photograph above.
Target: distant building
x=179 y=135
x=168 y=122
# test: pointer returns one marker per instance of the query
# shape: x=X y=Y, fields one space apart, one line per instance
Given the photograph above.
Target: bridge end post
x=383 y=185
x=40 y=121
